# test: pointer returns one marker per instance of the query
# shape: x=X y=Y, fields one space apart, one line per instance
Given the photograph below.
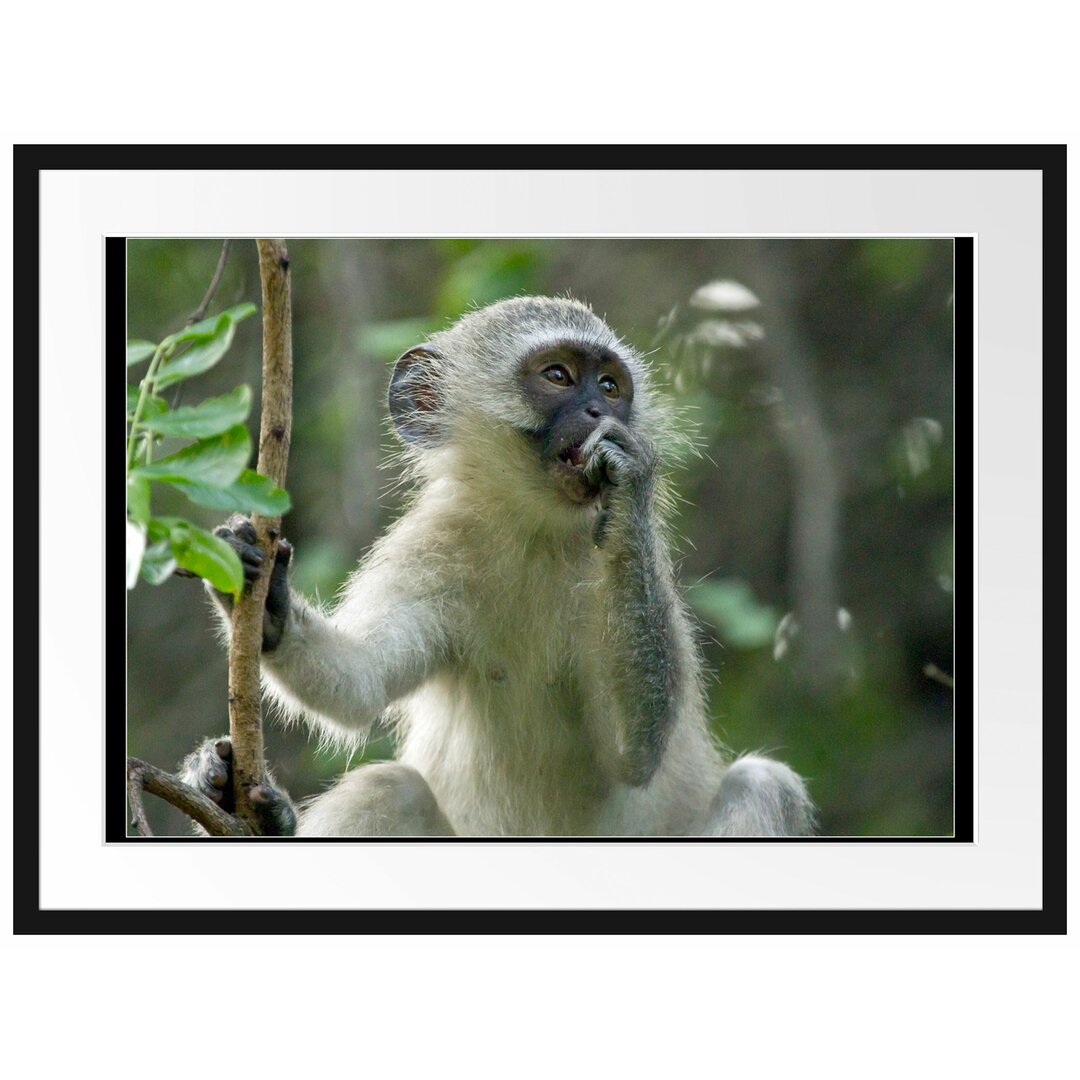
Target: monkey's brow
x=575 y=343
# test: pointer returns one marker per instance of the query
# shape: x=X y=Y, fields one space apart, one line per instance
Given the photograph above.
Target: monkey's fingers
x=592 y=449
x=616 y=457
x=607 y=463
x=241 y=526
x=251 y=557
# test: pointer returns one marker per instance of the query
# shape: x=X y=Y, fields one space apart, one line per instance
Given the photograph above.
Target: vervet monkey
x=520 y=625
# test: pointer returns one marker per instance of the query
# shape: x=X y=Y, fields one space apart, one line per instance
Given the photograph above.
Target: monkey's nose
x=594 y=411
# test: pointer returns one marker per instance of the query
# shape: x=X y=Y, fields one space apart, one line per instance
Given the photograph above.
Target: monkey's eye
x=609 y=386
x=558 y=375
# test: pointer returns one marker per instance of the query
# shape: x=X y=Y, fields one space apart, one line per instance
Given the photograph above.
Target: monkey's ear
x=415 y=396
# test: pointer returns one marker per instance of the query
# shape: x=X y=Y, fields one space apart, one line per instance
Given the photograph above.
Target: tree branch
x=142 y=776
x=245 y=691
x=200 y=311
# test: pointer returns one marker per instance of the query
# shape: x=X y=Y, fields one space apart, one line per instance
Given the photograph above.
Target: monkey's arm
x=339 y=671
x=649 y=653
x=342 y=671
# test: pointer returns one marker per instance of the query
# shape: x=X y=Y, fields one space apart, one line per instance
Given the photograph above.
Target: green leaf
x=249 y=493
x=240 y=312
x=208 y=556
x=160 y=528
x=154 y=406
x=206 y=351
x=210 y=417
x=210 y=340
x=136 y=545
x=212 y=325
x=200 y=331
x=158 y=563
x=138 y=499
x=198 y=551
x=137 y=351
x=216 y=462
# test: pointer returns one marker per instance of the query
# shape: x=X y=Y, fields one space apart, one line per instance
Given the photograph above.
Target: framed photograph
x=629 y=540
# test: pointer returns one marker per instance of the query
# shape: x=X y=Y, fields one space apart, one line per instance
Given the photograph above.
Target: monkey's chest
x=507 y=748
x=523 y=652
x=505 y=733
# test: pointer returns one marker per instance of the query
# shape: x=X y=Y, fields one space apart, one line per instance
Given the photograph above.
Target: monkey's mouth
x=568 y=470
x=573 y=457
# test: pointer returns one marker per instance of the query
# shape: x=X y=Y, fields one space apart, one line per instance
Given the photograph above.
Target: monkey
x=519 y=627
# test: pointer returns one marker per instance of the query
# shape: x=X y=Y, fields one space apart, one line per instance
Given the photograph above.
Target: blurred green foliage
x=852 y=338
x=742 y=622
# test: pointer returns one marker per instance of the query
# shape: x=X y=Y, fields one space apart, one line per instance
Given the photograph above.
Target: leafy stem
x=146 y=388
x=211 y=471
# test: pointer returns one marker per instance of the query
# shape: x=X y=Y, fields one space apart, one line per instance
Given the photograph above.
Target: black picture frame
x=1050 y=161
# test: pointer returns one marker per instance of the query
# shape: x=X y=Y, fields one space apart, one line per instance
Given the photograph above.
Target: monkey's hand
x=239 y=534
x=208 y=770
x=623 y=465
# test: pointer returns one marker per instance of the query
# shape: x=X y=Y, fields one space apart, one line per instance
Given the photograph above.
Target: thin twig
x=142 y=776
x=200 y=311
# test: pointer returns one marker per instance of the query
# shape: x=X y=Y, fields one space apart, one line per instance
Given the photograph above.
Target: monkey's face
x=506 y=403
x=573 y=388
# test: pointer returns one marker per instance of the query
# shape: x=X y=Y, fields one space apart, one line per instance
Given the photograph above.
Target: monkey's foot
x=208 y=770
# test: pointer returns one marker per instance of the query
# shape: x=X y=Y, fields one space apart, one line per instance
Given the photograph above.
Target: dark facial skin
x=574 y=388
